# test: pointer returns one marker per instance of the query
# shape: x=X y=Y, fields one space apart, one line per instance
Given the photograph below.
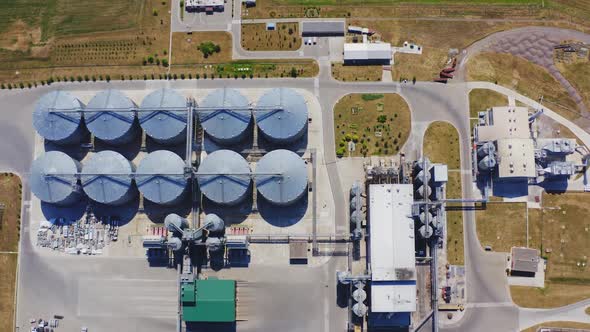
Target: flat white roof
x=391 y=232
x=386 y=297
x=505 y=122
x=367 y=51
x=516 y=158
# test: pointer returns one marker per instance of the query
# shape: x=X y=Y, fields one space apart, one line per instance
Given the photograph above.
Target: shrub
x=355 y=138
x=2 y=86
x=348 y=138
x=382 y=118
x=155 y=12
x=79 y=78
x=86 y=78
x=108 y=77
x=165 y=63
x=340 y=152
x=197 y=76
x=371 y=96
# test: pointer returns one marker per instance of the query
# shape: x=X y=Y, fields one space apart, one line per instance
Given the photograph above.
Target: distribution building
x=110 y=117
x=281 y=177
x=160 y=178
x=54 y=178
x=225 y=116
x=392 y=255
x=282 y=115
x=107 y=178
x=224 y=177
x=210 y=300
x=62 y=128
x=323 y=28
x=367 y=54
x=166 y=120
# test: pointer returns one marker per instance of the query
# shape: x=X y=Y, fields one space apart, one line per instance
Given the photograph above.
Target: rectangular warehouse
x=504 y=122
x=367 y=54
x=392 y=255
x=323 y=29
x=209 y=300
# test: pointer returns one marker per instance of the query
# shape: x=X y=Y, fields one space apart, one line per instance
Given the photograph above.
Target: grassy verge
x=379 y=123
x=482 y=99
x=571 y=325
x=10 y=197
x=523 y=76
x=441 y=145
x=356 y=73
x=502 y=226
x=286 y=37
x=577 y=74
x=185 y=47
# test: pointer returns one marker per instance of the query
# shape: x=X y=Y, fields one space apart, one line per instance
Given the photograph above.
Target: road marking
x=489 y=304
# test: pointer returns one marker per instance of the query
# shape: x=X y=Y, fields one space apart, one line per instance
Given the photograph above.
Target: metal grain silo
x=224 y=177
x=281 y=177
x=62 y=128
x=160 y=177
x=165 y=121
x=281 y=115
x=214 y=223
x=53 y=178
x=106 y=178
x=225 y=116
x=109 y=118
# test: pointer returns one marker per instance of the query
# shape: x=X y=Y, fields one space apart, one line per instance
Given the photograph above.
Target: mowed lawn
x=502 y=225
x=379 y=124
x=10 y=197
x=441 y=145
x=561 y=231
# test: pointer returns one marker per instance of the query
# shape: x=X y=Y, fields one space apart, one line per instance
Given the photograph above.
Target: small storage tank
x=224 y=177
x=108 y=118
x=356 y=217
x=281 y=177
x=61 y=128
x=355 y=189
x=420 y=177
x=282 y=115
x=426 y=231
x=486 y=149
x=106 y=178
x=214 y=223
x=424 y=191
x=359 y=295
x=424 y=216
x=175 y=243
x=353 y=204
x=225 y=116
x=487 y=163
x=174 y=222
x=166 y=120
x=160 y=178
x=59 y=189
x=359 y=309
x=214 y=245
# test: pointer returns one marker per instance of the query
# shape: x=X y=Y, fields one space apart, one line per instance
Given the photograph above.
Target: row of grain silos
x=225 y=114
x=225 y=177
x=107 y=177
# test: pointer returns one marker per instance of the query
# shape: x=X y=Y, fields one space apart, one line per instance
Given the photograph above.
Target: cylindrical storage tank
x=424 y=191
x=225 y=116
x=160 y=177
x=420 y=177
x=426 y=231
x=281 y=115
x=355 y=190
x=356 y=217
x=423 y=216
x=61 y=188
x=174 y=222
x=108 y=117
x=165 y=122
x=214 y=223
x=224 y=177
x=353 y=204
x=175 y=243
x=61 y=128
x=281 y=177
x=486 y=149
x=487 y=163
x=359 y=295
x=106 y=178
x=359 y=309
x=214 y=244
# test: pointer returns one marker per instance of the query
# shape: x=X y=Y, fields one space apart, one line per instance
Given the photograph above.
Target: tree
x=165 y=63
x=155 y=12
x=293 y=72
x=182 y=76
x=355 y=138
x=340 y=152
x=3 y=86
x=382 y=118
x=150 y=59
x=108 y=77
x=158 y=62
x=348 y=138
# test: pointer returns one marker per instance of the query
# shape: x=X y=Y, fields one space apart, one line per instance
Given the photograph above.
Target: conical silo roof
x=106 y=178
x=225 y=116
x=281 y=177
x=53 y=178
x=61 y=128
x=160 y=177
x=167 y=122
x=224 y=177
x=281 y=115
x=107 y=116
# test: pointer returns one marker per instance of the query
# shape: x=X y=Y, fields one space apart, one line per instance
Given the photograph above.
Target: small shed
x=271 y=26
x=298 y=252
x=525 y=261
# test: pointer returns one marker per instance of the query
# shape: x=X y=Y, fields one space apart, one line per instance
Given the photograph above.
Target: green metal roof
x=215 y=301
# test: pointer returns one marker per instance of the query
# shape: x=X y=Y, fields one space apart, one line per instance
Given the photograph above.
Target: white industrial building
x=392 y=255
x=504 y=122
x=208 y=6
x=516 y=158
x=367 y=53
